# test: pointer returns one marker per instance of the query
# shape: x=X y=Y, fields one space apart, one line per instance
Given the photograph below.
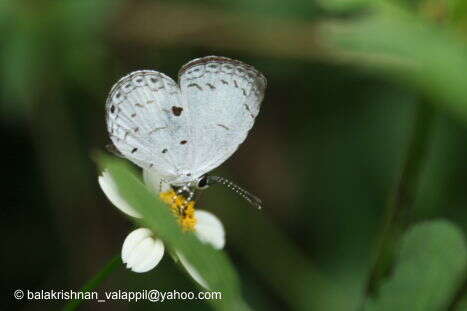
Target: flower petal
x=192 y=271
x=209 y=229
x=141 y=252
x=109 y=187
x=154 y=182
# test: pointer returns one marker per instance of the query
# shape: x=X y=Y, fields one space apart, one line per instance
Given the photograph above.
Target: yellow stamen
x=182 y=209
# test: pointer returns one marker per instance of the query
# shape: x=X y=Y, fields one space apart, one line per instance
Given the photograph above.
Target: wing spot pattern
x=156 y=129
x=227 y=66
x=248 y=109
x=195 y=85
x=134 y=150
x=223 y=126
x=177 y=111
x=183 y=142
x=212 y=87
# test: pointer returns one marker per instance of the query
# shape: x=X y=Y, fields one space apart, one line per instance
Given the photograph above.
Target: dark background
x=324 y=155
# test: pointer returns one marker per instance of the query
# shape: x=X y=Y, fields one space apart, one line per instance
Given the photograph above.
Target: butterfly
x=181 y=131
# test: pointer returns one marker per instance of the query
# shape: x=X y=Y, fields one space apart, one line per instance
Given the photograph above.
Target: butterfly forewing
x=224 y=98
x=146 y=122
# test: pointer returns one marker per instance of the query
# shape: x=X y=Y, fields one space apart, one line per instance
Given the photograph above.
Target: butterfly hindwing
x=224 y=98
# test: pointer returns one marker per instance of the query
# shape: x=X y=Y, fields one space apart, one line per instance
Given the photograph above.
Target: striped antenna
x=252 y=199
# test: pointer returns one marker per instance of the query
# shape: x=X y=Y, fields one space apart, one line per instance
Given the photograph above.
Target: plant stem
x=401 y=202
x=95 y=281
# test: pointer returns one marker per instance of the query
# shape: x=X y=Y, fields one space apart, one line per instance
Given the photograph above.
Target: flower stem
x=95 y=281
x=401 y=202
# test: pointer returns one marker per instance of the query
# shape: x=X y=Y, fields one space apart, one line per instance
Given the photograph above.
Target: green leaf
x=425 y=56
x=431 y=267
x=213 y=265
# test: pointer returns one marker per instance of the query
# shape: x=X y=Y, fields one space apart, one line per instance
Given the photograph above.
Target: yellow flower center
x=182 y=209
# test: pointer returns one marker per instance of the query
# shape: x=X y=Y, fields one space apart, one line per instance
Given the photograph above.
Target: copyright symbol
x=153 y=295
x=19 y=294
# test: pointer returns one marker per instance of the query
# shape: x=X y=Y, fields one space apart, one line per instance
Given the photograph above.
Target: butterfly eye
x=202 y=182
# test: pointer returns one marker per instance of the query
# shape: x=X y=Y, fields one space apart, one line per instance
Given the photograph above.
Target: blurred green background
x=344 y=82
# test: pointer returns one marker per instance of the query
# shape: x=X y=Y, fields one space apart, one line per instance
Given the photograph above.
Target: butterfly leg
x=189 y=196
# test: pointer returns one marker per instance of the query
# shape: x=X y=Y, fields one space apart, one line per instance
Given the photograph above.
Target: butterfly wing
x=224 y=98
x=146 y=122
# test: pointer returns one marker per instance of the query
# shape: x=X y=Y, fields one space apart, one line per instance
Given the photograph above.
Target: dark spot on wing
x=223 y=126
x=212 y=87
x=134 y=150
x=136 y=129
x=244 y=91
x=156 y=129
x=164 y=150
x=195 y=85
x=153 y=80
x=183 y=142
x=177 y=111
x=224 y=82
x=139 y=80
x=118 y=95
x=248 y=109
x=133 y=115
x=235 y=83
x=112 y=109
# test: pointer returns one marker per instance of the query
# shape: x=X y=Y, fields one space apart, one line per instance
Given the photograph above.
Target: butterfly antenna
x=252 y=199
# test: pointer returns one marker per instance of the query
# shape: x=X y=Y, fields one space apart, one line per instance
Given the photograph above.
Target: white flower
x=109 y=188
x=141 y=251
